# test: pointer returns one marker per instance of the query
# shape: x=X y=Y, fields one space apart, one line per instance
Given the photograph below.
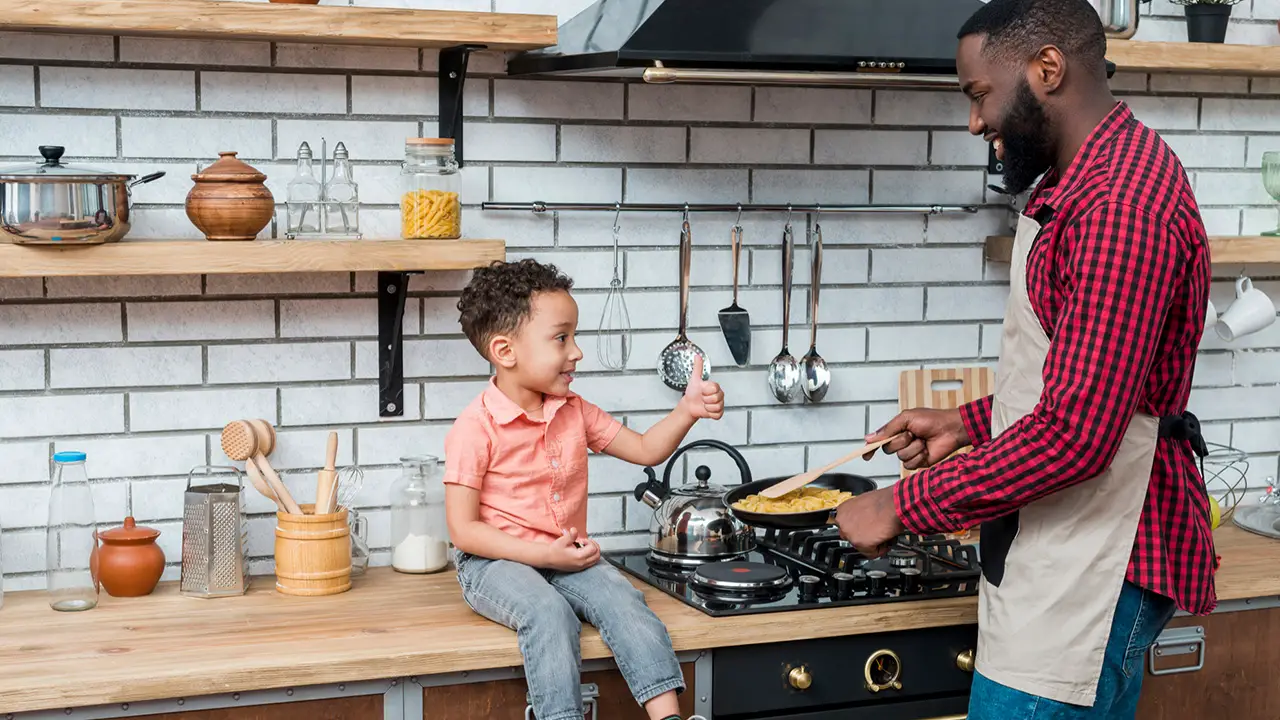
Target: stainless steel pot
x=1119 y=17
x=692 y=521
x=52 y=203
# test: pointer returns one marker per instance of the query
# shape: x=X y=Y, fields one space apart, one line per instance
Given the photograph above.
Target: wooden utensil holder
x=313 y=553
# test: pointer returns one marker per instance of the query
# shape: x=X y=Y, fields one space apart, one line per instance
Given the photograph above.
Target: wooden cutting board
x=943 y=389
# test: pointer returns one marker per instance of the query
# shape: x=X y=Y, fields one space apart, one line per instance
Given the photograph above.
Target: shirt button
x=555 y=497
x=555 y=463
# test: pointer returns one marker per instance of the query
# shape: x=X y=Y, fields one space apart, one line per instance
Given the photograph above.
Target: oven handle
x=949 y=717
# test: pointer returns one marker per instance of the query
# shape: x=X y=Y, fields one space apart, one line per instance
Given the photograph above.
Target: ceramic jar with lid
x=129 y=563
x=229 y=200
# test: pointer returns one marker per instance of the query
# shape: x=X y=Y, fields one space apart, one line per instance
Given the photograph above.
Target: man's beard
x=1024 y=132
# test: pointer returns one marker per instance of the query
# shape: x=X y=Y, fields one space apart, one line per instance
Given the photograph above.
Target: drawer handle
x=950 y=717
x=1177 y=641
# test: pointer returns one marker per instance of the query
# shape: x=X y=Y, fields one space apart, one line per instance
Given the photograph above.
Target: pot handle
x=147 y=178
x=743 y=469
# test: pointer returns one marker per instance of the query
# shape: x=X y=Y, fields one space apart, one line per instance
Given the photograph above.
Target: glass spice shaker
x=341 y=196
x=71 y=537
x=430 y=187
x=419 y=530
x=303 y=196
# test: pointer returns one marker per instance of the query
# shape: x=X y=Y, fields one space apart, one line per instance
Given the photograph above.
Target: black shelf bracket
x=393 y=291
x=452 y=78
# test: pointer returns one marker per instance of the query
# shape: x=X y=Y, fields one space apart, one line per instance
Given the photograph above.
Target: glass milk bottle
x=419 y=532
x=71 y=536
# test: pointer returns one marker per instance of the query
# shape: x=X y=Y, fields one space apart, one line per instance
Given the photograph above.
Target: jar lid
x=229 y=168
x=54 y=169
x=69 y=456
x=428 y=141
x=131 y=532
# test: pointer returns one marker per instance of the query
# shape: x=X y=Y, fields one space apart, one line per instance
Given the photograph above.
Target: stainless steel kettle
x=1119 y=17
x=692 y=522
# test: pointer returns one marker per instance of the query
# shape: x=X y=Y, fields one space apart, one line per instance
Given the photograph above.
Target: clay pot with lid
x=128 y=563
x=229 y=200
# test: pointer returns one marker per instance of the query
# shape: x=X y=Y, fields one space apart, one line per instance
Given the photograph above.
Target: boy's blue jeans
x=1140 y=616
x=544 y=607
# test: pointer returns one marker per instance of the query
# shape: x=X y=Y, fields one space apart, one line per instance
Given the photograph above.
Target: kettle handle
x=743 y=470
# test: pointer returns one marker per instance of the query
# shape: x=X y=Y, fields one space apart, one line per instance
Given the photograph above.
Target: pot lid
x=54 y=168
x=229 y=168
x=130 y=533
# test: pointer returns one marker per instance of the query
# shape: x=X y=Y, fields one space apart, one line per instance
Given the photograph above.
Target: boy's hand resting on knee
x=569 y=554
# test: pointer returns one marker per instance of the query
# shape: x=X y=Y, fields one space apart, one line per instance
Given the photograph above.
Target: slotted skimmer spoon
x=675 y=363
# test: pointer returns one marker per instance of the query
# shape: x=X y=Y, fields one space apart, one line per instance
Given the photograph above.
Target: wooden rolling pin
x=327 y=484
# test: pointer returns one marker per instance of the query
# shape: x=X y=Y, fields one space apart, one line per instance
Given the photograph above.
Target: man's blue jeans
x=1139 y=618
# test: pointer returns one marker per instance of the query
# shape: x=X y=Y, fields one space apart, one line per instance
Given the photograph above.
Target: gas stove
x=803 y=570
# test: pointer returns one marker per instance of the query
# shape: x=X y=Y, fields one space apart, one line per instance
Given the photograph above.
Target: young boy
x=516 y=494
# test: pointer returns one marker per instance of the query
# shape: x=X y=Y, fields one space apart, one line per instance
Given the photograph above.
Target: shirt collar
x=505 y=410
x=1053 y=189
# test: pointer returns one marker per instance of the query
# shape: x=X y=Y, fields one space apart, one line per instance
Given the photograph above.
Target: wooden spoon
x=240 y=442
x=796 y=482
x=326 y=485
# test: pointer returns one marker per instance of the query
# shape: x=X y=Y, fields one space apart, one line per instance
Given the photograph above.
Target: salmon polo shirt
x=531 y=473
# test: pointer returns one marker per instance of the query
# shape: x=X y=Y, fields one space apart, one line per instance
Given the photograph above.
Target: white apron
x=1044 y=618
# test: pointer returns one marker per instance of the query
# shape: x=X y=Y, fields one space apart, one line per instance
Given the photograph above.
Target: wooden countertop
x=389 y=625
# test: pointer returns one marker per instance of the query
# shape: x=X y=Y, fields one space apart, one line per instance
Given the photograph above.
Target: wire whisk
x=350 y=480
x=613 y=342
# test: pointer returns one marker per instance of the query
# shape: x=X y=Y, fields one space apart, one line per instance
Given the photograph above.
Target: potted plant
x=1207 y=19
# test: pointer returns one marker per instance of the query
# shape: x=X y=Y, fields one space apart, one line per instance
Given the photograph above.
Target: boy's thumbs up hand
x=702 y=398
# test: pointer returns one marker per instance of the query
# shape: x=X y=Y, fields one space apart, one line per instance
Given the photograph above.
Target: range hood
x=858 y=42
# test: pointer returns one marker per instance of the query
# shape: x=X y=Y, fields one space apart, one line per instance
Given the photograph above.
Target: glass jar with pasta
x=430 y=183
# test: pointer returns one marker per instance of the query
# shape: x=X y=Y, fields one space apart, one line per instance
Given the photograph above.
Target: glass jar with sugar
x=419 y=531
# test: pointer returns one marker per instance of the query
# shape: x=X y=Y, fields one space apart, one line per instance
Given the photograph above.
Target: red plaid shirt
x=1119 y=277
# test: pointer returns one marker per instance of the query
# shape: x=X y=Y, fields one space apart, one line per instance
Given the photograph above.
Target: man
x=1094 y=520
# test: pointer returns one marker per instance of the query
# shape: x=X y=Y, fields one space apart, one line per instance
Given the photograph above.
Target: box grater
x=214 y=536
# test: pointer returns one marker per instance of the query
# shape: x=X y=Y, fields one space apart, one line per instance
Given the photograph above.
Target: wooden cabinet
x=505 y=699
x=363 y=707
x=1237 y=680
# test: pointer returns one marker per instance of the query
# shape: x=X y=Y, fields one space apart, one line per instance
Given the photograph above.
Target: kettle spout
x=651 y=491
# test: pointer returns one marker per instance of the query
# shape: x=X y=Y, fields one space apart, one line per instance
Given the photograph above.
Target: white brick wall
x=142 y=373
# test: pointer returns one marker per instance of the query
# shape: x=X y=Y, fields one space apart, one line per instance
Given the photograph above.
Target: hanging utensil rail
x=542 y=207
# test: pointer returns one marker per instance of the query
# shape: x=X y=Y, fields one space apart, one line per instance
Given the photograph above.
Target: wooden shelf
x=199 y=257
x=224 y=20
x=1194 y=58
x=1225 y=250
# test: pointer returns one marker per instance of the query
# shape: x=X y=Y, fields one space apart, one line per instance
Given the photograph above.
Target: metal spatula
x=734 y=321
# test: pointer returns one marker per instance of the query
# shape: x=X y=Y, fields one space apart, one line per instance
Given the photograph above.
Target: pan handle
x=743 y=469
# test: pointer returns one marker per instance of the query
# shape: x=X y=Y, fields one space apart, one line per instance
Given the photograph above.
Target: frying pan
x=809 y=520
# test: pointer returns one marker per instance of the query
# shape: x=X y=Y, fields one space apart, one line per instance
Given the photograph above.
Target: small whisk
x=613 y=343
x=350 y=480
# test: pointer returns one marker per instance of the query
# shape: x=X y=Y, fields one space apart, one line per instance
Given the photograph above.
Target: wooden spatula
x=796 y=482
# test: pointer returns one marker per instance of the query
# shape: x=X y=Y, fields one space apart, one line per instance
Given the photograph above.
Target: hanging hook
x=686 y=213
x=817 y=213
x=738 y=221
x=788 y=214
x=617 y=215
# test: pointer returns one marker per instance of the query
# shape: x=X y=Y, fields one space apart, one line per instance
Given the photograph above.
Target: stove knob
x=875 y=582
x=844 y=585
x=799 y=678
x=964 y=661
x=910 y=581
x=809 y=587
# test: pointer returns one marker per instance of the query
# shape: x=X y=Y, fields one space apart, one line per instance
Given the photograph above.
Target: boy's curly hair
x=498 y=298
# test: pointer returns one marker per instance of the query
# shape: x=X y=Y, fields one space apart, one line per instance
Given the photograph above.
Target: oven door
x=907 y=675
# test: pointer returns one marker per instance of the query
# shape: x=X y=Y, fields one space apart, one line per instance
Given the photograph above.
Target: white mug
x=1252 y=311
x=1210 y=317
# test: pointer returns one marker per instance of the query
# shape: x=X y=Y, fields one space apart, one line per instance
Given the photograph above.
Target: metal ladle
x=817 y=378
x=675 y=362
x=784 y=373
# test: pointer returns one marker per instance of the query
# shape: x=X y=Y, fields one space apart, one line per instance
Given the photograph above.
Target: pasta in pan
x=805 y=499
